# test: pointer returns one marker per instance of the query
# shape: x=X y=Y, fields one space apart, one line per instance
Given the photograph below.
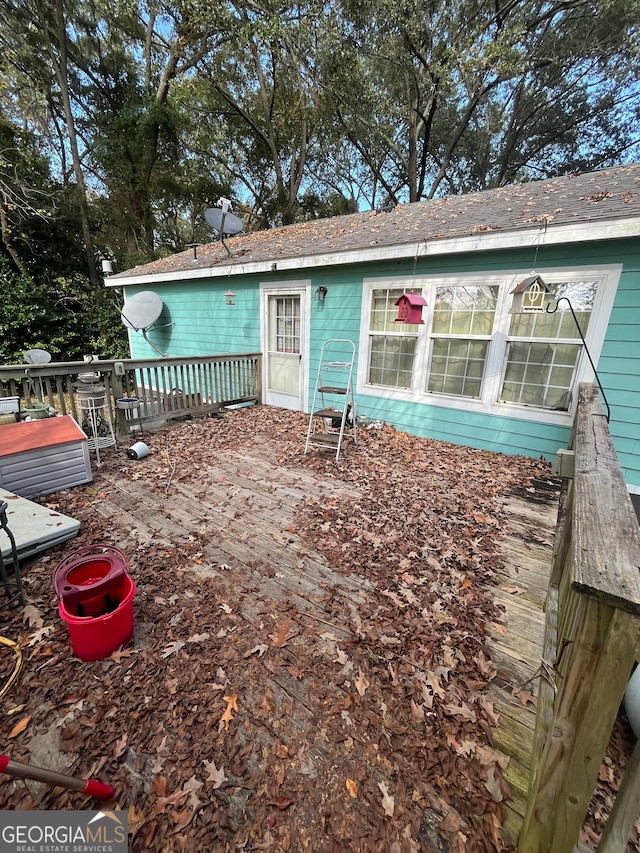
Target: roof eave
x=543 y=234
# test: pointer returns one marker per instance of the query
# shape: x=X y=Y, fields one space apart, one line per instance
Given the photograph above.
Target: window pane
x=391 y=361
x=384 y=312
x=560 y=324
x=464 y=310
x=457 y=367
x=539 y=374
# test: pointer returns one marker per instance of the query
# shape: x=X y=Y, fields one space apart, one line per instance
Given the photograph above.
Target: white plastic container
x=138 y=451
x=9 y=405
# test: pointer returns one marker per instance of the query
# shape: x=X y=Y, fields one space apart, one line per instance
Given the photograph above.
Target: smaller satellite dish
x=142 y=310
x=37 y=356
x=224 y=223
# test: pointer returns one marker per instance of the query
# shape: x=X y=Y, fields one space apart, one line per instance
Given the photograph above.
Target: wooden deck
x=296 y=635
x=250 y=481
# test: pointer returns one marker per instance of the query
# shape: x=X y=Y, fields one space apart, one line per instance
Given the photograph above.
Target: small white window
x=392 y=345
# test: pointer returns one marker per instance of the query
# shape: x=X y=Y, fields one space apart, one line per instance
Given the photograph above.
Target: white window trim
x=496 y=357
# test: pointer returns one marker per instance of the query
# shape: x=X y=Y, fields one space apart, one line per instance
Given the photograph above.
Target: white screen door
x=285 y=329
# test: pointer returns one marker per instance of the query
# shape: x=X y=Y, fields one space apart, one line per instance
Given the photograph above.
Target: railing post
x=592 y=637
x=258 y=378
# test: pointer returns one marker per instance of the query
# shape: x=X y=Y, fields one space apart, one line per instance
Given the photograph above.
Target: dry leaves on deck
x=321 y=683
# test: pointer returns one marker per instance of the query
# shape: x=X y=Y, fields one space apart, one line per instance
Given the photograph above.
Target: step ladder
x=333 y=410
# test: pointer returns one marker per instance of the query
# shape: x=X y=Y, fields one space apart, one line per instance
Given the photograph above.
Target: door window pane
x=288 y=324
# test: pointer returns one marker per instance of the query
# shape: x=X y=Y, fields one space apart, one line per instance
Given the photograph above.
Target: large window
x=472 y=353
x=463 y=319
x=543 y=349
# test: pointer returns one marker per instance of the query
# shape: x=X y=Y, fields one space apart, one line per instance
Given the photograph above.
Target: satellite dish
x=37 y=356
x=226 y=224
x=142 y=310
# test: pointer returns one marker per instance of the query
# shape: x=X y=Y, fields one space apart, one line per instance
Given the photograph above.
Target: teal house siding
x=197 y=321
x=589 y=222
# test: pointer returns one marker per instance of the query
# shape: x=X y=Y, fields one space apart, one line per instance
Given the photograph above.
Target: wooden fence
x=591 y=642
x=165 y=388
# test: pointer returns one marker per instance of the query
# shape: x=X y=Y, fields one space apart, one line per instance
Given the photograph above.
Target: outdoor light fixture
x=321 y=294
x=532 y=296
x=230 y=297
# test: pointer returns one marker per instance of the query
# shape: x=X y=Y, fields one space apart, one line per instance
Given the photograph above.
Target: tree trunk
x=60 y=66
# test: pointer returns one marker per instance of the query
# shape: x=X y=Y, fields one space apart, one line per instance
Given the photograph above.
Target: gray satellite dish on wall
x=141 y=312
x=225 y=223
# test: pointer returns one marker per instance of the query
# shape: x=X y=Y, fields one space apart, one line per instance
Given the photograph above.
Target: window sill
x=502 y=410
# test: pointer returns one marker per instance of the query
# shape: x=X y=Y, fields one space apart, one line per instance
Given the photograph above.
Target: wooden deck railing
x=591 y=642
x=166 y=388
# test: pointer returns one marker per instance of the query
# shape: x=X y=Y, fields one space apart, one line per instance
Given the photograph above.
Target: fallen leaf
x=191 y=787
x=120 y=746
x=388 y=803
x=342 y=657
x=417 y=711
x=19 y=727
x=198 y=638
x=451 y=823
x=493 y=783
x=361 y=683
x=433 y=682
x=38 y=635
x=33 y=616
x=172 y=648
x=466 y=747
x=462 y=710
x=260 y=650
x=513 y=590
x=352 y=788
x=135 y=820
x=122 y=653
x=487 y=706
x=524 y=696
x=282 y=635
x=232 y=705
x=281 y=803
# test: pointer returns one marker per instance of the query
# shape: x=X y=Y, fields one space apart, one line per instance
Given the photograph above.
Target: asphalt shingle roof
x=580 y=198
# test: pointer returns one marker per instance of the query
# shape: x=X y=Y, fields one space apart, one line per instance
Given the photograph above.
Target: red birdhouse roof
x=414 y=299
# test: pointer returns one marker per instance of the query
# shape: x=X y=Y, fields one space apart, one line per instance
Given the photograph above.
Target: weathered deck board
x=518 y=652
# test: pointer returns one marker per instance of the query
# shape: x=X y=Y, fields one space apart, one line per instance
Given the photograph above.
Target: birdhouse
x=531 y=296
x=410 y=307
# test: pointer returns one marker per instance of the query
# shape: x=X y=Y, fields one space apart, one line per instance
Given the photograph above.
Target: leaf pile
x=350 y=716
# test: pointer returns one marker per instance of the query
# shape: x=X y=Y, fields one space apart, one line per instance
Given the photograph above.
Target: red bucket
x=95 y=593
x=96 y=637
